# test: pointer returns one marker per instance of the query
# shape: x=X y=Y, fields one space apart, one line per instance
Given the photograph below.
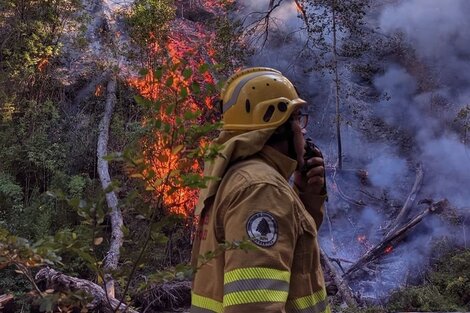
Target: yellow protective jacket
x=254 y=201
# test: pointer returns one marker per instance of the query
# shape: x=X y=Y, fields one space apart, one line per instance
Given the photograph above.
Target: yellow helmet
x=257 y=98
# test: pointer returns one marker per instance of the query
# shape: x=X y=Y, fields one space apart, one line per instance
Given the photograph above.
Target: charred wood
x=387 y=243
x=88 y=90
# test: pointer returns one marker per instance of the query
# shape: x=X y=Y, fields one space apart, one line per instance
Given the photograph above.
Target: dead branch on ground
x=61 y=282
x=4 y=299
x=409 y=201
x=387 y=243
x=344 y=291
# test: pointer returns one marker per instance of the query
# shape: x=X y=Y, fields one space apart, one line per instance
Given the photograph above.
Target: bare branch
x=409 y=201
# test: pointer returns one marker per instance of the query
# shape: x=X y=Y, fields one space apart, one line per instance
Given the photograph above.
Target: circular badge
x=262 y=229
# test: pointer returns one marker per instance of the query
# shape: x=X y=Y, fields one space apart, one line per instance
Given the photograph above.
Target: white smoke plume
x=417 y=113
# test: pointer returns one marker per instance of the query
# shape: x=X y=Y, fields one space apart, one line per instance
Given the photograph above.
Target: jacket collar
x=281 y=162
x=235 y=146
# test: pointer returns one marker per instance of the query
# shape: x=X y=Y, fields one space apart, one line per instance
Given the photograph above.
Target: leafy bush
x=447 y=288
x=149 y=21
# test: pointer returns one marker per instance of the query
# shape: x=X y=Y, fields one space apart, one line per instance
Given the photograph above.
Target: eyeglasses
x=301 y=118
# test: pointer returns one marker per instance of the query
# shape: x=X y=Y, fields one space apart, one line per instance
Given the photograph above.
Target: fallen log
x=5 y=299
x=386 y=245
x=101 y=302
x=409 y=201
x=344 y=291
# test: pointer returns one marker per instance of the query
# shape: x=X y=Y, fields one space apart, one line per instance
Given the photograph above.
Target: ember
x=99 y=90
x=361 y=238
x=389 y=249
x=42 y=64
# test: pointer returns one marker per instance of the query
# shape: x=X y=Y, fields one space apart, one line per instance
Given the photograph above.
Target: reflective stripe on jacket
x=282 y=274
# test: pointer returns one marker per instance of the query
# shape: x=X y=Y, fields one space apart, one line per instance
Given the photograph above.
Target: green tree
x=29 y=40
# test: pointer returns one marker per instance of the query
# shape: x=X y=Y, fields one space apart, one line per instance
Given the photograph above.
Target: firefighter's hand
x=313 y=180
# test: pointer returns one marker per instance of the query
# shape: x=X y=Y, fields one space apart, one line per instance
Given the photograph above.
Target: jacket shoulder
x=254 y=171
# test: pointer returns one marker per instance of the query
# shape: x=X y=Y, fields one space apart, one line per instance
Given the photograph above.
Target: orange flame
x=298 y=7
x=362 y=239
x=99 y=90
x=165 y=159
x=42 y=64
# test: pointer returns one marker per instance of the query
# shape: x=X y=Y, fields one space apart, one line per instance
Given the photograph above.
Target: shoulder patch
x=262 y=229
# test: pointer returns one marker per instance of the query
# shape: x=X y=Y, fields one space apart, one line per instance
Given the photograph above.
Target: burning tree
x=175 y=95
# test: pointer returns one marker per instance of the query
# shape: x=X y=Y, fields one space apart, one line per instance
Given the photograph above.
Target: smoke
x=438 y=30
x=386 y=170
x=399 y=87
x=449 y=160
x=282 y=45
x=421 y=94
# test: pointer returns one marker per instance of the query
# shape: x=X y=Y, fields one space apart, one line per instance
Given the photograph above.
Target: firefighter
x=263 y=146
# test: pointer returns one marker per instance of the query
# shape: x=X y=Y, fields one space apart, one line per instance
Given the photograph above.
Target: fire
x=388 y=250
x=298 y=7
x=99 y=90
x=191 y=45
x=361 y=238
x=42 y=64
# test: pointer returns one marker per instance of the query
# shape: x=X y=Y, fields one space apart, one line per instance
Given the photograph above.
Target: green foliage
x=77 y=185
x=29 y=34
x=84 y=244
x=33 y=154
x=11 y=195
x=149 y=21
x=229 y=53
x=38 y=157
x=19 y=251
x=31 y=141
x=22 y=256
x=446 y=290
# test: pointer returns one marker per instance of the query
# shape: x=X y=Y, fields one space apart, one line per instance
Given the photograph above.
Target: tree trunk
x=337 y=88
x=112 y=257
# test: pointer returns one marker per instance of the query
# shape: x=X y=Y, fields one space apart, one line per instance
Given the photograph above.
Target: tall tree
x=335 y=35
